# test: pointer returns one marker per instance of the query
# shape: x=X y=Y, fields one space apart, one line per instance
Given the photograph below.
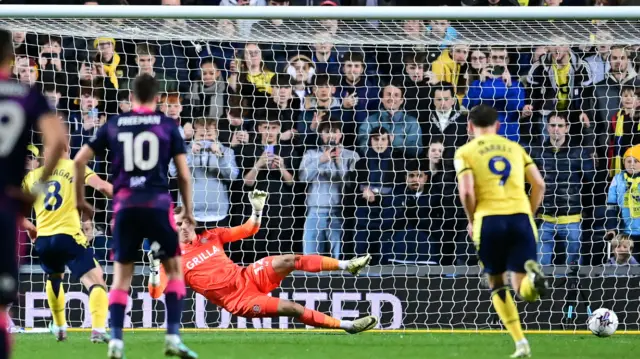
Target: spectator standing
x=250 y=77
x=88 y=119
x=411 y=203
x=559 y=81
x=405 y=131
x=207 y=96
x=324 y=55
x=451 y=66
x=417 y=85
x=498 y=89
x=269 y=166
x=599 y=62
x=625 y=128
x=234 y=129
x=445 y=124
x=326 y=169
x=284 y=105
x=357 y=91
x=171 y=106
x=375 y=181
x=566 y=170
x=302 y=70
x=609 y=90
x=145 y=60
x=53 y=67
x=213 y=166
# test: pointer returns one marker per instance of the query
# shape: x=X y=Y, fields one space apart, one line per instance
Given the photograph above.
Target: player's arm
x=252 y=225
x=184 y=186
x=466 y=185
x=54 y=141
x=534 y=178
x=94 y=181
x=30 y=228
x=80 y=163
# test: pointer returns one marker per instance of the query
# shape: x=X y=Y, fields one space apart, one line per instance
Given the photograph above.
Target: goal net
x=357 y=122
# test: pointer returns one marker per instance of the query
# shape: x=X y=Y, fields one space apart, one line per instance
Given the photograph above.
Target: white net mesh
x=391 y=97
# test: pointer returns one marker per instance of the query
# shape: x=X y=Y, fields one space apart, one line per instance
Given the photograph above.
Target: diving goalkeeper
x=243 y=290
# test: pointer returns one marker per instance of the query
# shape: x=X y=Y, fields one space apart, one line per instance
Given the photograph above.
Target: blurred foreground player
x=21 y=109
x=243 y=291
x=491 y=179
x=60 y=242
x=141 y=144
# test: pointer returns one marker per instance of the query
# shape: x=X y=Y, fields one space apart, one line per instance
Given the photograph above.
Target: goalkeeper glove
x=257 y=199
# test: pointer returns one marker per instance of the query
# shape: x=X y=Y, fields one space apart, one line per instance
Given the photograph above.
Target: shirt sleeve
x=177 y=142
x=100 y=141
x=460 y=163
x=527 y=159
x=26 y=186
x=88 y=174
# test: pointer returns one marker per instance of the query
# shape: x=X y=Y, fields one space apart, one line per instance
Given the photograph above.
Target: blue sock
x=173 y=295
x=117 y=307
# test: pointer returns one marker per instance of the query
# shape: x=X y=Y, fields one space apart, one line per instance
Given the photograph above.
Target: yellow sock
x=99 y=306
x=55 y=298
x=508 y=312
x=528 y=291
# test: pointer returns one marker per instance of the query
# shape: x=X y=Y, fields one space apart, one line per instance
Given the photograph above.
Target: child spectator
x=124 y=101
x=302 y=70
x=375 y=180
x=207 y=96
x=412 y=219
x=326 y=170
x=171 y=106
x=622 y=248
x=623 y=201
x=213 y=166
x=625 y=127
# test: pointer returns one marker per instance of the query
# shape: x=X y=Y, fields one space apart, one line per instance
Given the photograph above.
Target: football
x=603 y=322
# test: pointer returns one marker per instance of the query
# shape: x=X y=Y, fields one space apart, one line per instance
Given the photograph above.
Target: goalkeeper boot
x=534 y=272
x=59 y=332
x=116 y=349
x=356 y=265
x=100 y=337
x=522 y=350
x=174 y=348
x=363 y=324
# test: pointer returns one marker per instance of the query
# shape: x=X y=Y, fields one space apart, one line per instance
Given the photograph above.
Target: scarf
x=110 y=69
x=618 y=146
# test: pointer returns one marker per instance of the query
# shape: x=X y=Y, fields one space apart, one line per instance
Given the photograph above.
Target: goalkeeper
x=243 y=290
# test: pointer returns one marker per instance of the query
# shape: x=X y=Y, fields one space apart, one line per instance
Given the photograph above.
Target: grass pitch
x=320 y=345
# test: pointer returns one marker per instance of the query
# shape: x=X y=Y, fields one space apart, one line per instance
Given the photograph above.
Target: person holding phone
x=269 y=166
x=496 y=87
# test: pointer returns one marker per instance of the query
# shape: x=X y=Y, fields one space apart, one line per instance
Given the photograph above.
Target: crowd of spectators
x=355 y=144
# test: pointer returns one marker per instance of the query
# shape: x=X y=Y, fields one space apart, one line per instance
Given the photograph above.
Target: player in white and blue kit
x=141 y=143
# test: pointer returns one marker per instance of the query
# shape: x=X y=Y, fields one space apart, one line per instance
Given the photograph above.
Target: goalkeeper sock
x=55 y=298
x=99 y=306
x=117 y=306
x=173 y=295
x=508 y=312
x=527 y=290
x=319 y=320
x=316 y=263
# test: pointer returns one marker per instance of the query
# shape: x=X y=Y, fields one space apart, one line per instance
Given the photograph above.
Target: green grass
x=248 y=345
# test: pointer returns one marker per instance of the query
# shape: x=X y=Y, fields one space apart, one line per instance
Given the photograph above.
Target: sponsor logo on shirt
x=202 y=257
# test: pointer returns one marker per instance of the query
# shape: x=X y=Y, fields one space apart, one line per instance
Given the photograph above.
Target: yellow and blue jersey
x=55 y=209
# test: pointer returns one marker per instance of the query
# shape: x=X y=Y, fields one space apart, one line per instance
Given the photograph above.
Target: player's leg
x=528 y=280
x=285 y=264
x=266 y=306
x=8 y=277
x=126 y=242
x=166 y=248
x=93 y=280
x=52 y=263
x=492 y=235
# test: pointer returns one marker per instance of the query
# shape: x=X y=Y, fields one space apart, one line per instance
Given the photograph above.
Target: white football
x=603 y=322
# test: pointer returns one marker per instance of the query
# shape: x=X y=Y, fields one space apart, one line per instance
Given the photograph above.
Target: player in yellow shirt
x=491 y=180
x=60 y=241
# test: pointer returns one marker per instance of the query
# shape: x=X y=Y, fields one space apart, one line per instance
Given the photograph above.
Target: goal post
x=426 y=276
